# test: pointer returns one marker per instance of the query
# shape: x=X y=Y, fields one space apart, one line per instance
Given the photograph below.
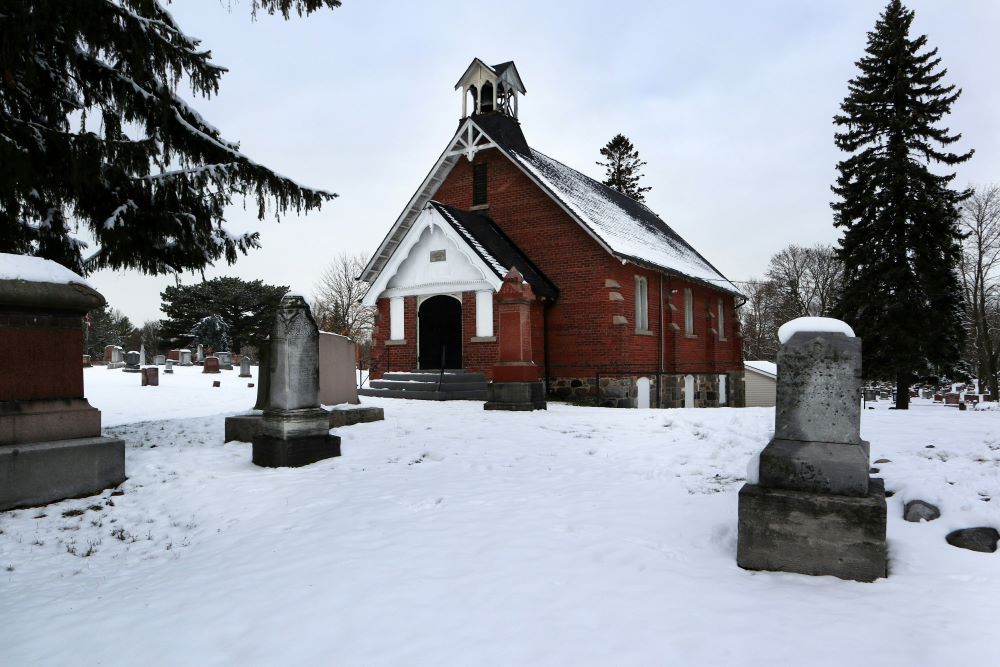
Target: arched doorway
x=440 y=333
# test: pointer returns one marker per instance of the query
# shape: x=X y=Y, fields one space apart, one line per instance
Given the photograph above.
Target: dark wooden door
x=440 y=322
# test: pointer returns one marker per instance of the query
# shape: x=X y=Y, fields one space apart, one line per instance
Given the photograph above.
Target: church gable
x=433 y=258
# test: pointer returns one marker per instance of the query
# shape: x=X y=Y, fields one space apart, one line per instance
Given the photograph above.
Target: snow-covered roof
x=766 y=367
x=36 y=269
x=496 y=248
x=622 y=226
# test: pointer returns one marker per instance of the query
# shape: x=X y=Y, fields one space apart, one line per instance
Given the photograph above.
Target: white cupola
x=492 y=89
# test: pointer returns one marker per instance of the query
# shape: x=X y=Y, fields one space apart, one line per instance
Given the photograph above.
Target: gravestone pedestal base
x=244 y=428
x=38 y=473
x=516 y=396
x=272 y=452
x=813 y=533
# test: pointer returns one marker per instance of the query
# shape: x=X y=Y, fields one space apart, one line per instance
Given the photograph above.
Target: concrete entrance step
x=430 y=385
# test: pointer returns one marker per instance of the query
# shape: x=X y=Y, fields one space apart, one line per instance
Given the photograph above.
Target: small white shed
x=761 y=379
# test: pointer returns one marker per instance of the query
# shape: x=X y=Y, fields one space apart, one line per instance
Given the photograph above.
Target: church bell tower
x=490 y=89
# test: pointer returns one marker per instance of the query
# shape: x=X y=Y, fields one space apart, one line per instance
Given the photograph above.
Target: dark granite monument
x=50 y=436
x=295 y=429
x=814 y=509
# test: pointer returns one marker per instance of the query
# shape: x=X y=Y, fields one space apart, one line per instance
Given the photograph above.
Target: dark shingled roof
x=495 y=247
x=631 y=230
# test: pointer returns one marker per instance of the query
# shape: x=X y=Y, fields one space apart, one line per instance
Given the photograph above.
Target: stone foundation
x=620 y=391
x=813 y=533
x=272 y=452
x=515 y=396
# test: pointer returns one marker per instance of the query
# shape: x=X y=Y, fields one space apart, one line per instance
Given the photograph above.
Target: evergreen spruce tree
x=93 y=137
x=105 y=326
x=901 y=242
x=622 y=168
x=211 y=331
x=248 y=307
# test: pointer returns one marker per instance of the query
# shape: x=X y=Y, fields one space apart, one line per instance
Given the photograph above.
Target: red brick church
x=625 y=311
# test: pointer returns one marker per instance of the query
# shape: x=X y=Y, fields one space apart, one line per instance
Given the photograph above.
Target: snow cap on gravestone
x=813 y=325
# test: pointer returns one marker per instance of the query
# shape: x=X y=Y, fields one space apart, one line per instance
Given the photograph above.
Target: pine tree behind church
x=622 y=168
x=901 y=239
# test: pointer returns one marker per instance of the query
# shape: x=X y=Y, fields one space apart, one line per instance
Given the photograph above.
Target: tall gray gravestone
x=296 y=430
x=814 y=509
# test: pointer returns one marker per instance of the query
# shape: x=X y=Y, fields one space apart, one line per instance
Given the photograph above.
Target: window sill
x=483 y=339
x=390 y=343
x=479 y=207
x=643 y=332
x=689 y=335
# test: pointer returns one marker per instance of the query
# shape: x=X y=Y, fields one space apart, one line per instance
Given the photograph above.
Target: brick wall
x=583 y=336
x=591 y=327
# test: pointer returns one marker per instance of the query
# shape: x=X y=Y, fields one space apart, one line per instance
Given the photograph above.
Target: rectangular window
x=688 y=312
x=396 y=318
x=484 y=314
x=641 y=304
x=722 y=320
x=478 y=184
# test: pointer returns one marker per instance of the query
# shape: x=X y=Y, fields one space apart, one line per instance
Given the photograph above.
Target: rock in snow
x=917 y=510
x=975 y=539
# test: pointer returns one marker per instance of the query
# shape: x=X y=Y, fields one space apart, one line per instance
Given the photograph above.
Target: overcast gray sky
x=729 y=102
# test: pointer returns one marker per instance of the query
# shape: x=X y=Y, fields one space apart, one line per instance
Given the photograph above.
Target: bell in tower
x=490 y=89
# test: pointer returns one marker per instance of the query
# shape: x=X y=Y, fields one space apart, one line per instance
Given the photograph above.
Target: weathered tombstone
x=338 y=381
x=131 y=362
x=169 y=366
x=86 y=361
x=185 y=358
x=200 y=354
x=225 y=360
x=151 y=377
x=517 y=383
x=870 y=395
x=174 y=355
x=113 y=357
x=50 y=437
x=245 y=367
x=263 y=376
x=211 y=365
x=142 y=354
x=296 y=430
x=159 y=360
x=813 y=508
x=952 y=399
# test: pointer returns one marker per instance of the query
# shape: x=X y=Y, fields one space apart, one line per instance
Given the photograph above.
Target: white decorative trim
x=430 y=218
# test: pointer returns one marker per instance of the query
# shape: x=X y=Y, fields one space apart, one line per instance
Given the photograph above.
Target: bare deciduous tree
x=980 y=279
x=337 y=306
x=799 y=282
x=758 y=322
x=808 y=279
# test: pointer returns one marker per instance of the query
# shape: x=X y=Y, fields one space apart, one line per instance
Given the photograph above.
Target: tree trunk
x=903 y=390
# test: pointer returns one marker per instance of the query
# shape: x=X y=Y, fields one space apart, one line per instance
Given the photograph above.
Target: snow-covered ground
x=449 y=535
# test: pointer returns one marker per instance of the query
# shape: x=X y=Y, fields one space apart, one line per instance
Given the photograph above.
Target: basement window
x=479 y=184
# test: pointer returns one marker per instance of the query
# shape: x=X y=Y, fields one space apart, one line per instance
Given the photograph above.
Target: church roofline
x=504 y=134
